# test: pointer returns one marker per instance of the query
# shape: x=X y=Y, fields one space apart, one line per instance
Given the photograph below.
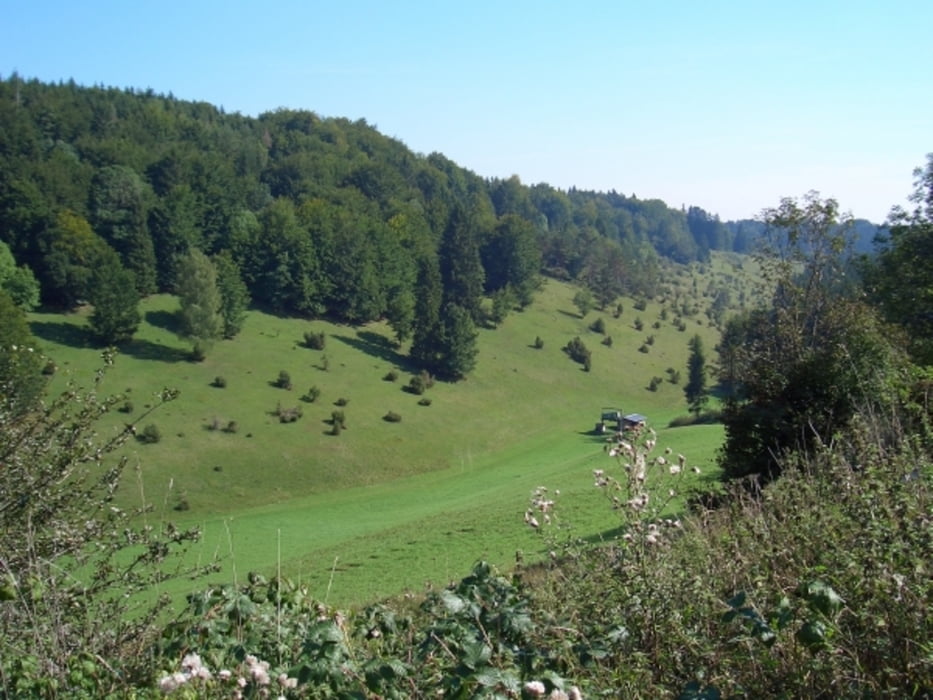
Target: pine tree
x=116 y=302
x=427 y=319
x=461 y=266
x=458 y=343
x=234 y=296
x=695 y=390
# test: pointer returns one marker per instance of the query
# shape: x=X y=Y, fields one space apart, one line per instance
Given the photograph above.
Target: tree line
x=317 y=216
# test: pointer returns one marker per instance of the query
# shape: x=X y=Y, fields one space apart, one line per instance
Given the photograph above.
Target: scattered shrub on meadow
x=639 y=324
x=607 y=341
x=198 y=352
x=231 y=427
x=392 y=417
x=420 y=383
x=126 y=407
x=655 y=383
x=219 y=382
x=578 y=351
x=643 y=348
x=599 y=325
x=214 y=424
x=341 y=402
x=618 y=310
x=640 y=304
x=49 y=368
x=315 y=341
x=289 y=415
x=284 y=380
x=424 y=401
x=649 y=340
x=150 y=434
x=338 y=418
x=656 y=325
x=539 y=343
x=311 y=395
x=391 y=376
x=673 y=375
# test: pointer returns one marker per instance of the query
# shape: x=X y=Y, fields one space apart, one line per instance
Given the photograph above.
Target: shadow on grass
x=165 y=320
x=147 y=350
x=375 y=345
x=62 y=333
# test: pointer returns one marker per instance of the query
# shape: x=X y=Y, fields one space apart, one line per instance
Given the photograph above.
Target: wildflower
x=651 y=538
x=172 y=682
x=224 y=674
x=534 y=688
x=667 y=450
x=287 y=682
x=675 y=469
x=661 y=461
x=575 y=693
x=681 y=460
x=695 y=470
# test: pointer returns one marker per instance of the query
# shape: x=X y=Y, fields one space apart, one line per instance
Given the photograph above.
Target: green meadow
x=386 y=507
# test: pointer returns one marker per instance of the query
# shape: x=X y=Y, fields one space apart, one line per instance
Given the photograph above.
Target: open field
x=384 y=507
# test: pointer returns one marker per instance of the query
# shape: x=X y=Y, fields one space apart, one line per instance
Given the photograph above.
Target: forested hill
x=322 y=215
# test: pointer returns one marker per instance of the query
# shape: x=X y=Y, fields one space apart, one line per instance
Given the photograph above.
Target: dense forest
x=317 y=216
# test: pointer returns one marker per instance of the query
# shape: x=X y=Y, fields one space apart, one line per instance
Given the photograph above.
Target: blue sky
x=726 y=105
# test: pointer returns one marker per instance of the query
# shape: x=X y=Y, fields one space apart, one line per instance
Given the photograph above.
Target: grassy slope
x=384 y=506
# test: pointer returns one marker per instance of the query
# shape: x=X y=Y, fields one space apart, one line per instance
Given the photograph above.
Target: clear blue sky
x=726 y=105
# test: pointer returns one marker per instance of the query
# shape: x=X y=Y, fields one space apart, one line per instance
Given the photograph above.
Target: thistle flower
x=534 y=688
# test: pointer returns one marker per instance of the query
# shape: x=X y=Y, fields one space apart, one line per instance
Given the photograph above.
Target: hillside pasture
x=383 y=506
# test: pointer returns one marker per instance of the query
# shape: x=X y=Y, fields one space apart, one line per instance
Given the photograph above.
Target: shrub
x=338 y=418
x=539 y=343
x=577 y=351
x=219 y=382
x=420 y=383
x=49 y=368
x=315 y=341
x=284 y=380
x=311 y=395
x=607 y=341
x=640 y=304
x=654 y=383
x=424 y=401
x=639 y=324
x=198 y=352
x=656 y=325
x=150 y=434
x=598 y=326
x=650 y=340
x=231 y=427
x=391 y=376
x=392 y=417
x=126 y=407
x=643 y=348
x=341 y=401
x=673 y=375
x=618 y=310
x=289 y=415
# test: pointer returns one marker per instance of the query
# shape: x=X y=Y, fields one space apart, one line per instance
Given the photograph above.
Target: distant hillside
x=294 y=195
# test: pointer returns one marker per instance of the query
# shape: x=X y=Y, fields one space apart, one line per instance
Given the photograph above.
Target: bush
x=643 y=348
x=650 y=340
x=315 y=341
x=126 y=407
x=219 y=382
x=231 y=427
x=338 y=418
x=391 y=376
x=578 y=351
x=288 y=415
x=312 y=394
x=424 y=402
x=392 y=417
x=607 y=341
x=420 y=383
x=341 y=402
x=655 y=383
x=150 y=434
x=598 y=326
x=198 y=352
x=639 y=324
x=284 y=380
x=618 y=310
x=640 y=304
x=49 y=368
x=539 y=343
